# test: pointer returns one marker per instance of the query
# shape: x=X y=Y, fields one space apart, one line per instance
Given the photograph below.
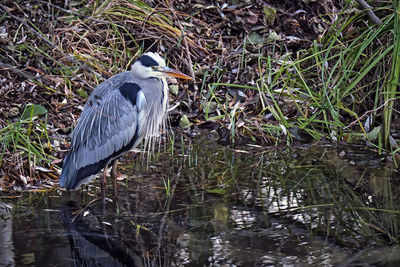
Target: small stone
x=184 y=122
x=273 y=36
x=209 y=107
x=174 y=89
x=255 y=38
x=13 y=112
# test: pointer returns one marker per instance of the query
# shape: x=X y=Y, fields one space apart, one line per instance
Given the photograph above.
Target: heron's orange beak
x=174 y=73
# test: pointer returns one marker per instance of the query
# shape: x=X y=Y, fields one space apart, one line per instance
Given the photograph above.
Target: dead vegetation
x=54 y=53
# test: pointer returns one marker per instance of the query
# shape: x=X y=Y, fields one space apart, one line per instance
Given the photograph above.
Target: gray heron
x=117 y=116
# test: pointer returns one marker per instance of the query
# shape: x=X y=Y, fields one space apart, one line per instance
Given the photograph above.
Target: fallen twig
x=369 y=11
x=368 y=112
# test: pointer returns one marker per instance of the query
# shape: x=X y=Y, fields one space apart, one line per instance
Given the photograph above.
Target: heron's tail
x=73 y=178
x=68 y=177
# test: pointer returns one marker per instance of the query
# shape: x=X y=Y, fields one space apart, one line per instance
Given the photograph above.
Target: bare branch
x=369 y=11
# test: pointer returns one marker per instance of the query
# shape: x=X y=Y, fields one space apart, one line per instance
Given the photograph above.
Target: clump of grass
x=26 y=138
x=342 y=88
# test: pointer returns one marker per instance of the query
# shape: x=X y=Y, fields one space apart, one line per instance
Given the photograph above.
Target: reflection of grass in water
x=321 y=199
x=28 y=206
x=313 y=187
x=324 y=192
x=307 y=190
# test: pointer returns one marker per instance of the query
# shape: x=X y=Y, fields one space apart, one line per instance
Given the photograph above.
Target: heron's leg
x=103 y=184
x=82 y=193
x=114 y=177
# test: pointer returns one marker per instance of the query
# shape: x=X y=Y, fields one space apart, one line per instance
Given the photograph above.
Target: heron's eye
x=154 y=68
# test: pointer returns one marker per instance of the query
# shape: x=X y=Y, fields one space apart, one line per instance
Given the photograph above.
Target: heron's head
x=152 y=65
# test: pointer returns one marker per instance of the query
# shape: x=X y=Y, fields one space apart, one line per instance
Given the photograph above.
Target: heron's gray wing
x=108 y=124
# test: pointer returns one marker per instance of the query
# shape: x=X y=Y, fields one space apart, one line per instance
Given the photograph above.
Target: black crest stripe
x=147 y=61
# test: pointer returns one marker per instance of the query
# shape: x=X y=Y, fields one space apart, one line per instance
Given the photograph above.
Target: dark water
x=206 y=205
